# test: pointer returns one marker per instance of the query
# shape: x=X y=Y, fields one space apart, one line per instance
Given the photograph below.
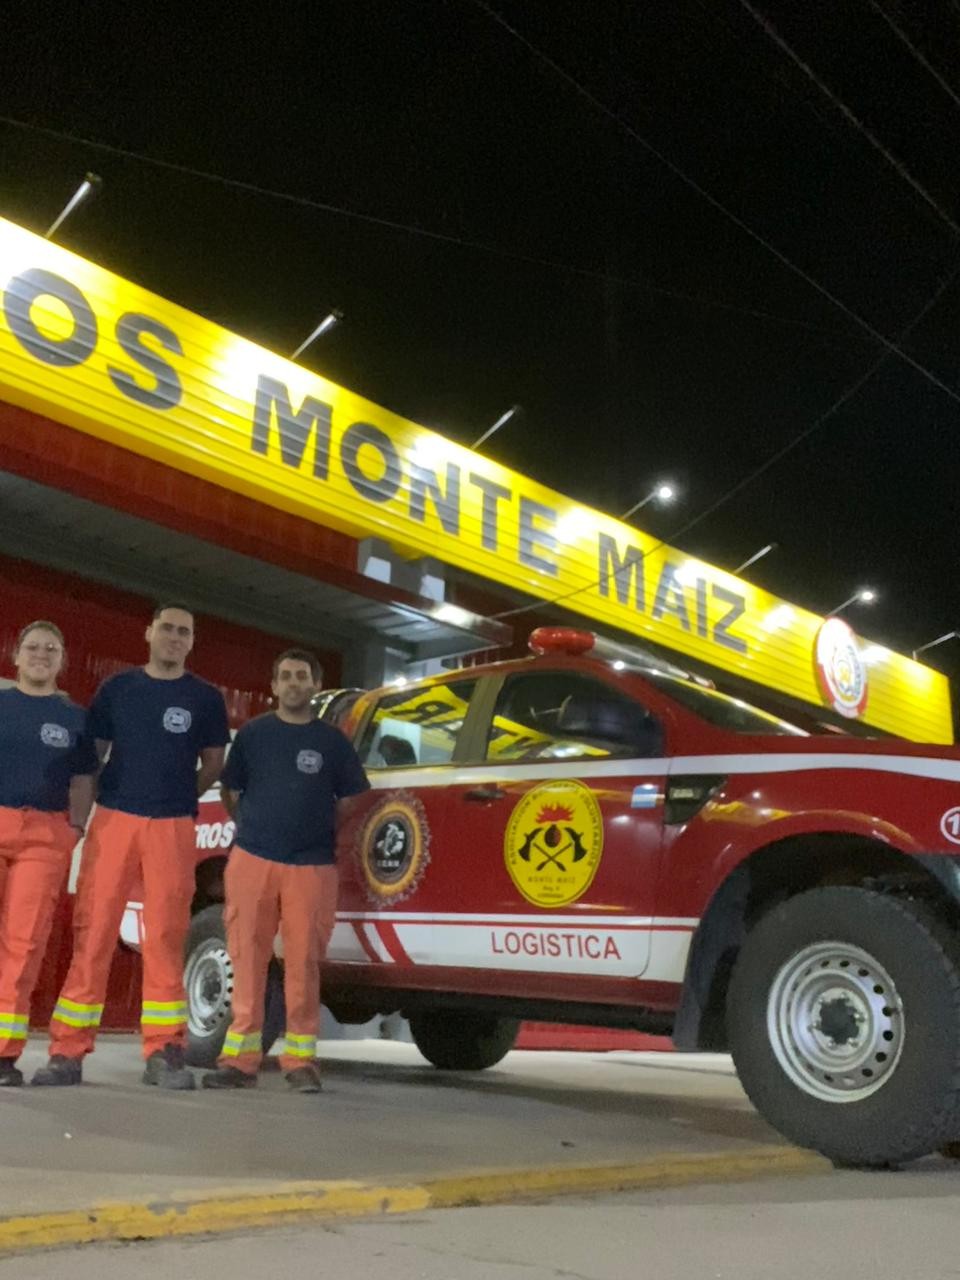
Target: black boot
x=60 y=1070
x=167 y=1069
x=229 y=1078
x=305 y=1079
x=11 y=1077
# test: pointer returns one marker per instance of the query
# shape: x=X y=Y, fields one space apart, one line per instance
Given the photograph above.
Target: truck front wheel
x=462 y=1041
x=208 y=980
x=843 y=1016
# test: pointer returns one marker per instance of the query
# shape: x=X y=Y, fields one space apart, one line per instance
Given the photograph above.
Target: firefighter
x=288 y=782
x=155 y=721
x=47 y=763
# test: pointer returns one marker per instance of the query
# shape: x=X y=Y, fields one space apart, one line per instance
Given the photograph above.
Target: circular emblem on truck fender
x=553 y=843
x=841 y=671
x=394 y=847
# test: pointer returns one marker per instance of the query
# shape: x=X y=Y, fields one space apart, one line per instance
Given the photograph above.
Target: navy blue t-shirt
x=290 y=777
x=158 y=729
x=43 y=744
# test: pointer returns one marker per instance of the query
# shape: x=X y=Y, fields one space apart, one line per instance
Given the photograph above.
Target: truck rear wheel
x=208 y=980
x=456 y=1041
x=843 y=1016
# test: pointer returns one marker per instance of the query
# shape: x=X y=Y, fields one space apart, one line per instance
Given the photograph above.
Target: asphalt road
x=858 y=1226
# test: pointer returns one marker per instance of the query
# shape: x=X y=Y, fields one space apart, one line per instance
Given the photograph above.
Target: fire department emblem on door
x=554 y=842
x=394 y=847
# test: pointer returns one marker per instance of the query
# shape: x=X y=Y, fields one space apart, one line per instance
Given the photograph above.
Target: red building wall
x=104 y=629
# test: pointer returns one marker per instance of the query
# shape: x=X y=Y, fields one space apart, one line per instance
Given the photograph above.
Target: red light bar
x=561 y=640
x=580 y=643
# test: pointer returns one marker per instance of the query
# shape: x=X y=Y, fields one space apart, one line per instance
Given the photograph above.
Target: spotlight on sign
x=865 y=595
x=88 y=188
x=500 y=422
x=663 y=493
x=757 y=555
x=932 y=644
x=325 y=325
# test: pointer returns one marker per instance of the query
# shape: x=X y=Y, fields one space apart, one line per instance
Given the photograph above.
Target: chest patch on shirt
x=309 y=761
x=54 y=735
x=177 y=720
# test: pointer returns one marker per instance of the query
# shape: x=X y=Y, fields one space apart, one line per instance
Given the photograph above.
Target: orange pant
x=301 y=901
x=35 y=850
x=117 y=845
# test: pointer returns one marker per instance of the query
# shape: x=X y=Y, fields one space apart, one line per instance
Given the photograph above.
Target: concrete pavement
x=385 y=1117
x=384 y=1113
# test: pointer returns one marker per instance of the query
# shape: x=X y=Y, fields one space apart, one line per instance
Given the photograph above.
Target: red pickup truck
x=589 y=836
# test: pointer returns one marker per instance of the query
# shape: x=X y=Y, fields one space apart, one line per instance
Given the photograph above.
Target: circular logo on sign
x=394 y=847
x=54 y=735
x=841 y=672
x=309 y=761
x=177 y=720
x=553 y=843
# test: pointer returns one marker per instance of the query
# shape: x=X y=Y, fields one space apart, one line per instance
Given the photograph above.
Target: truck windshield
x=722 y=710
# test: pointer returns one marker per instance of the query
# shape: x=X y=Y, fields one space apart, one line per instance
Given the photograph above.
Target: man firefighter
x=155 y=721
x=47 y=763
x=288 y=782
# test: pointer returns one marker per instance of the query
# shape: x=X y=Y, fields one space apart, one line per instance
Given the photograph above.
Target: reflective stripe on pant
x=301 y=901
x=35 y=850
x=117 y=845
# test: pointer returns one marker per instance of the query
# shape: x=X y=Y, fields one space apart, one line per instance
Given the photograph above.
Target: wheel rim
x=209 y=985
x=835 y=1022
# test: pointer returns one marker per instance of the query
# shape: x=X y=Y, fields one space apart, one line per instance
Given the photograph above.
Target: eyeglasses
x=35 y=647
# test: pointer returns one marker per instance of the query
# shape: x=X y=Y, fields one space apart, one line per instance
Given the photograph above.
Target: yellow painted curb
x=231 y=1211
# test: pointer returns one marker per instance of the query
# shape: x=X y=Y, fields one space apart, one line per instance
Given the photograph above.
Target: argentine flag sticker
x=645 y=796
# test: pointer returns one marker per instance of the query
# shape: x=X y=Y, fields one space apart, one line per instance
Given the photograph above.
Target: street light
x=757 y=555
x=866 y=595
x=932 y=644
x=325 y=325
x=663 y=493
x=500 y=422
x=88 y=187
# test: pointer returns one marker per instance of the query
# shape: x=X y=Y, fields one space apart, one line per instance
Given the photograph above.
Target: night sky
x=645 y=334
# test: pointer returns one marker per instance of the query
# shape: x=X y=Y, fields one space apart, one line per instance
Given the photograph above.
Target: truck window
x=335 y=705
x=559 y=715
x=418 y=726
x=722 y=710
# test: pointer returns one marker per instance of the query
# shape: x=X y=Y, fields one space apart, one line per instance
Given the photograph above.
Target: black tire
x=787 y=1032
x=208 y=978
x=463 y=1041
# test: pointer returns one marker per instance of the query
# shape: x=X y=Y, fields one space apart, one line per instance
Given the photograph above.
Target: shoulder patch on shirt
x=309 y=761
x=54 y=735
x=177 y=720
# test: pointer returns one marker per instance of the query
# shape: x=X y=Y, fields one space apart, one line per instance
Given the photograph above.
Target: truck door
x=554 y=836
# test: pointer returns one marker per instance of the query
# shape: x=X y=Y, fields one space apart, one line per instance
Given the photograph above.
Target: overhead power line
x=924 y=62
x=442 y=237
x=897 y=165
x=845 y=397
x=888 y=343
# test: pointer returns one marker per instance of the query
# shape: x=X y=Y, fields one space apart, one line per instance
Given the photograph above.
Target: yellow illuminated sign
x=88 y=349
